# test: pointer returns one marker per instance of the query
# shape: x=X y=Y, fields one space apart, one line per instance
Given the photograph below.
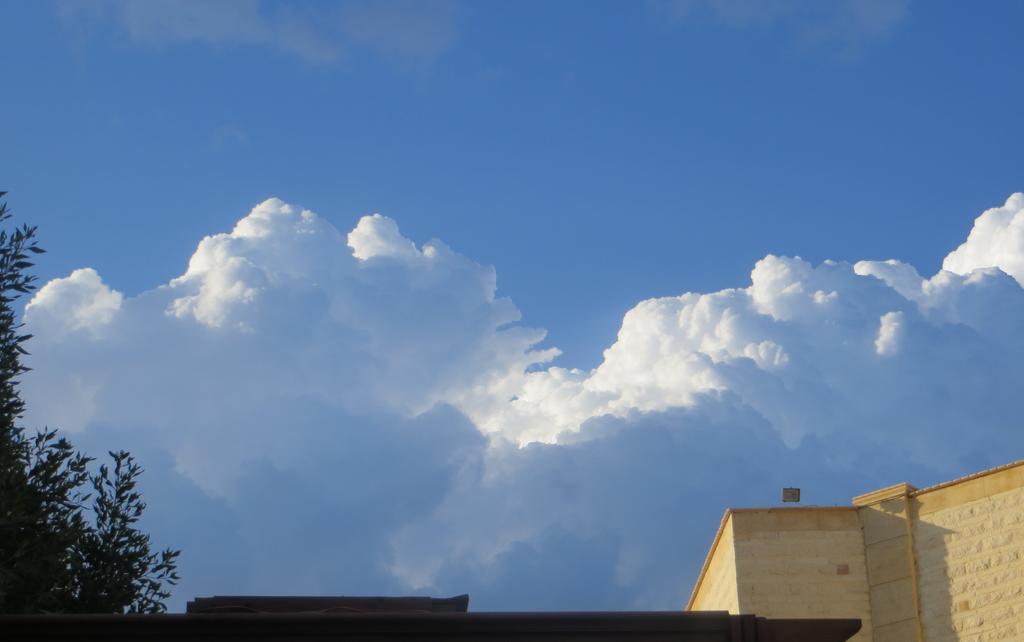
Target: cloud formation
x=314 y=31
x=360 y=413
x=848 y=23
x=283 y=310
x=997 y=240
x=817 y=350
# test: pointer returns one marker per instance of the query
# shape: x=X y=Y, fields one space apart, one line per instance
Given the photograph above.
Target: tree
x=58 y=551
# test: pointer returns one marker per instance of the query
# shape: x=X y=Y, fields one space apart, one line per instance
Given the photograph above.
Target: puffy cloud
x=890 y=333
x=379 y=236
x=281 y=309
x=899 y=276
x=360 y=413
x=78 y=302
x=816 y=350
x=997 y=240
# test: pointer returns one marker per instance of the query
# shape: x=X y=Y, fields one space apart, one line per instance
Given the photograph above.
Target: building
x=931 y=564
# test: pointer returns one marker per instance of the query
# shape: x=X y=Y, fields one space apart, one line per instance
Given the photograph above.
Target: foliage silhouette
x=58 y=552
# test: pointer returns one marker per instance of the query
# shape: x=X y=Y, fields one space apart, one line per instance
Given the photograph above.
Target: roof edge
x=967 y=478
x=902 y=489
x=770 y=509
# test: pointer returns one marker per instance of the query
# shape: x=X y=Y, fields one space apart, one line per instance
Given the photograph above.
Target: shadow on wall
x=897 y=597
x=935 y=581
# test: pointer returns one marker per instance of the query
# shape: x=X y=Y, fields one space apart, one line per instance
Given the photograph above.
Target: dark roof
x=296 y=604
x=466 y=627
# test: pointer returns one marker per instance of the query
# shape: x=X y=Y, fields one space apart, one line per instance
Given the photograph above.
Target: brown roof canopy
x=658 y=626
x=319 y=604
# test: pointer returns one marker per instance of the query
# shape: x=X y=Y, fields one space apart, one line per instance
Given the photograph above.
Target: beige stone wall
x=969 y=545
x=887 y=550
x=717 y=590
x=941 y=564
x=802 y=563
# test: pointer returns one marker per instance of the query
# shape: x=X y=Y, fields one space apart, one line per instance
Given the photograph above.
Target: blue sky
x=783 y=239
x=597 y=152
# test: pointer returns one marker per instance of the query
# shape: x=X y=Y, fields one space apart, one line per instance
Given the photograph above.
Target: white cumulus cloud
x=80 y=301
x=361 y=413
x=997 y=240
x=890 y=333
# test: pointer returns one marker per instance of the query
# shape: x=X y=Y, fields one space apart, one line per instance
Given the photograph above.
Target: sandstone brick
x=967 y=557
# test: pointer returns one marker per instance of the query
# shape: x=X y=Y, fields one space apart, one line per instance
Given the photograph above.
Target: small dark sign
x=791 y=494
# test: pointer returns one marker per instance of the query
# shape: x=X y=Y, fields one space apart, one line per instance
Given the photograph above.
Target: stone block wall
x=790 y=563
x=719 y=576
x=891 y=572
x=802 y=563
x=969 y=545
